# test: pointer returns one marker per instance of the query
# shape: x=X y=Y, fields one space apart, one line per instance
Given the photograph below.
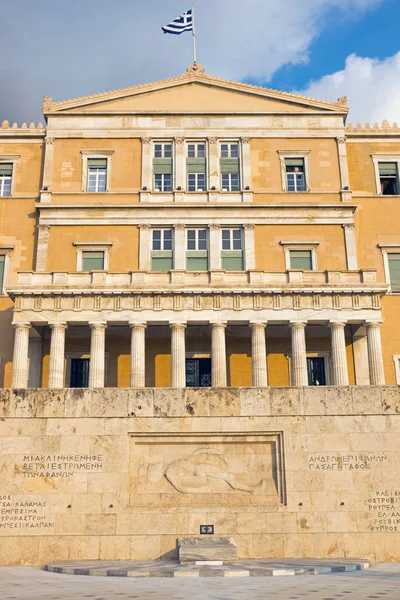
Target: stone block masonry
x=121 y=474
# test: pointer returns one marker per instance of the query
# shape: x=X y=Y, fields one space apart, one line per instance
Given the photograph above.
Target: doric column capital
x=338 y=324
x=22 y=326
x=178 y=325
x=258 y=324
x=56 y=325
x=372 y=324
x=349 y=225
x=218 y=324
x=98 y=325
x=298 y=324
x=142 y=324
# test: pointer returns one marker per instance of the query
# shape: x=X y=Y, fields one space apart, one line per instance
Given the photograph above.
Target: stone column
x=249 y=251
x=299 y=356
x=215 y=247
x=178 y=356
x=20 y=357
x=218 y=355
x=138 y=335
x=213 y=163
x=179 y=247
x=375 y=357
x=259 y=355
x=57 y=351
x=180 y=164
x=144 y=247
x=97 y=355
x=340 y=374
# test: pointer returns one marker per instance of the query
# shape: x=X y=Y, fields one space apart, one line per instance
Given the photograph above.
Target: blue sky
x=325 y=48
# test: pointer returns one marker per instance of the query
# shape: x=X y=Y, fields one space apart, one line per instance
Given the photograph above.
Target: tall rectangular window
x=162 y=250
x=92 y=260
x=230 y=167
x=394 y=271
x=301 y=259
x=389 y=178
x=196 y=167
x=232 y=250
x=196 y=250
x=295 y=175
x=2 y=269
x=97 y=175
x=6 y=170
x=162 y=167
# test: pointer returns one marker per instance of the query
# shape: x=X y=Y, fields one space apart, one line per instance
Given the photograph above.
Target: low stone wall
x=121 y=474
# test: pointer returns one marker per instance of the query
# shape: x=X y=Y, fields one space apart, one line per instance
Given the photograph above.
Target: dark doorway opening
x=80 y=372
x=316 y=371
x=198 y=372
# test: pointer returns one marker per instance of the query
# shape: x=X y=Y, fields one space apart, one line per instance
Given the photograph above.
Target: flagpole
x=194 y=38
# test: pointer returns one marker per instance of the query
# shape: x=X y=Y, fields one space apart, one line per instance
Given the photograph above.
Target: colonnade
x=299 y=374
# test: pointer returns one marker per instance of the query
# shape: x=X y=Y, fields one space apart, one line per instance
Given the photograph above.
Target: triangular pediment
x=194 y=92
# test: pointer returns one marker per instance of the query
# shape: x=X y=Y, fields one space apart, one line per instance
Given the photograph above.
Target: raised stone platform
x=195 y=550
x=245 y=568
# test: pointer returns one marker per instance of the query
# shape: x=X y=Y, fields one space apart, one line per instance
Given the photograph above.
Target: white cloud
x=372 y=88
x=92 y=46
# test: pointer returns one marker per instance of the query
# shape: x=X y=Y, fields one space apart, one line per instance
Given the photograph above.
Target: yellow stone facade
x=340 y=219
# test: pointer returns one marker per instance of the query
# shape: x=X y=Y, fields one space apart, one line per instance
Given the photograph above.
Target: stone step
x=208 y=549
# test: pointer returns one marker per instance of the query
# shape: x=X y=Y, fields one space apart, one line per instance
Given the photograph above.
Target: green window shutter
x=294 y=162
x=387 y=168
x=92 y=261
x=162 y=166
x=195 y=165
x=229 y=165
x=394 y=271
x=301 y=259
x=232 y=260
x=162 y=260
x=197 y=260
x=6 y=169
x=97 y=163
x=2 y=264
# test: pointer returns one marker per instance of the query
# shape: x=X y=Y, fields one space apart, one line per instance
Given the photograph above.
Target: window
x=230 y=182
x=232 y=250
x=93 y=260
x=196 y=250
x=163 y=150
x=230 y=150
x=394 y=271
x=163 y=182
x=388 y=178
x=295 y=176
x=97 y=175
x=196 y=182
x=301 y=259
x=230 y=167
x=6 y=170
x=196 y=150
x=2 y=272
x=162 y=250
x=162 y=167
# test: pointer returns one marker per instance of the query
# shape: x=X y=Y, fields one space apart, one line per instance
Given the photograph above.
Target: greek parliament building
x=199 y=232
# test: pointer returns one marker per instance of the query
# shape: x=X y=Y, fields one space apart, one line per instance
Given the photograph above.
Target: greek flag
x=181 y=24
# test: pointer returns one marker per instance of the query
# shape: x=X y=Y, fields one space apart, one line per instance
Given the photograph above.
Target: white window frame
x=196 y=230
x=10 y=158
x=381 y=158
x=196 y=144
x=86 y=154
x=160 y=190
x=289 y=245
x=232 y=229
x=163 y=144
x=229 y=143
x=6 y=252
x=92 y=247
x=305 y=155
x=387 y=249
x=162 y=229
x=229 y=188
x=198 y=189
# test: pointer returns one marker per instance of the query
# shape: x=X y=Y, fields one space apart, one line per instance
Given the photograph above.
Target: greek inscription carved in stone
x=345 y=462
x=22 y=512
x=58 y=465
x=384 y=507
x=197 y=473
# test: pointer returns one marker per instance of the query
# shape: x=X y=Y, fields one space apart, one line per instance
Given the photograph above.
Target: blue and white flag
x=181 y=24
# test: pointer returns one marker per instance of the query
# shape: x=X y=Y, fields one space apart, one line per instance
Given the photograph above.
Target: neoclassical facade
x=199 y=232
